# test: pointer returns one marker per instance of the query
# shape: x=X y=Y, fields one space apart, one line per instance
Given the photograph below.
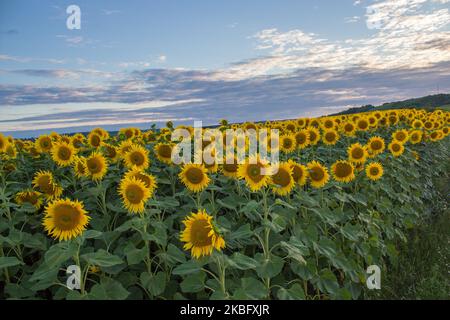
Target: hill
x=428 y=102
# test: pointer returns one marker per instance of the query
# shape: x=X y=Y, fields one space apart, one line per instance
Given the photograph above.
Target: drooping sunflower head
x=111 y=152
x=288 y=143
x=299 y=172
x=137 y=156
x=302 y=138
x=256 y=173
x=374 y=171
x=318 y=174
x=314 y=135
x=80 y=167
x=282 y=179
x=357 y=153
x=396 y=148
x=400 y=135
x=44 y=182
x=63 y=153
x=194 y=177
x=330 y=137
x=134 y=194
x=44 y=143
x=97 y=166
x=200 y=235
x=163 y=152
x=65 y=219
x=29 y=196
x=343 y=171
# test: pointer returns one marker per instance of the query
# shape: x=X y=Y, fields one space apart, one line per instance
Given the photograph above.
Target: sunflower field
x=137 y=226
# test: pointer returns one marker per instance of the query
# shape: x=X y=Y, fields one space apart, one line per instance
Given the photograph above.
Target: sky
x=135 y=62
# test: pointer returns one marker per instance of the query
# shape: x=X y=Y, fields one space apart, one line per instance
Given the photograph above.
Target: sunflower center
x=94 y=165
x=254 y=172
x=343 y=170
x=348 y=128
x=137 y=158
x=287 y=143
x=301 y=138
x=230 y=167
x=376 y=145
x=134 y=194
x=165 y=151
x=400 y=136
x=363 y=124
x=95 y=141
x=199 y=233
x=297 y=173
x=194 y=175
x=357 y=153
x=330 y=136
x=374 y=171
x=64 y=153
x=282 y=178
x=396 y=147
x=317 y=174
x=312 y=136
x=66 y=217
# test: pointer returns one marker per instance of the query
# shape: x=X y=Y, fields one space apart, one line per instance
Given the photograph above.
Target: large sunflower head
x=396 y=148
x=63 y=153
x=288 y=143
x=302 y=138
x=330 y=137
x=137 y=156
x=357 y=153
x=400 y=135
x=318 y=174
x=44 y=143
x=65 y=219
x=299 y=172
x=148 y=179
x=29 y=196
x=374 y=171
x=134 y=194
x=96 y=166
x=282 y=180
x=194 y=177
x=163 y=152
x=200 y=235
x=376 y=145
x=255 y=172
x=343 y=171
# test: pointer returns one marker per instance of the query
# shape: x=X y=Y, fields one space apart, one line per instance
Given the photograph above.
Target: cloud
x=352 y=19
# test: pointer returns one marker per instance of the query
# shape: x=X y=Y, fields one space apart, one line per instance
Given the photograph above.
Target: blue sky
x=139 y=62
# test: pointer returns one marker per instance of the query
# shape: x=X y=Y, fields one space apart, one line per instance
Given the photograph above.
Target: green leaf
x=193 y=283
x=108 y=289
x=135 y=256
x=269 y=268
x=6 y=262
x=189 y=267
x=155 y=284
x=243 y=262
x=60 y=253
x=102 y=258
x=251 y=288
x=295 y=292
x=92 y=234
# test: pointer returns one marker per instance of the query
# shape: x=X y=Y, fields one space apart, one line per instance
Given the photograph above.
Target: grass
x=423 y=267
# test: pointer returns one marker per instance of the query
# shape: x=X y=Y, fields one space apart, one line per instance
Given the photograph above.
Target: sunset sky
x=134 y=63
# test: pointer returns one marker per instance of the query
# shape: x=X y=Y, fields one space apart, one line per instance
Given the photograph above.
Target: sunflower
x=330 y=137
x=230 y=166
x=299 y=172
x=349 y=129
x=396 y=148
x=201 y=235
x=137 y=156
x=3 y=143
x=318 y=174
x=164 y=152
x=415 y=136
x=148 y=179
x=374 y=171
x=80 y=167
x=436 y=135
x=343 y=171
x=96 y=166
x=376 y=146
x=29 y=196
x=328 y=124
x=357 y=153
x=44 y=144
x=63 y=154
x=282 y=180
x=302 y=138
x=288 y=143
x=94 y=139
x=362 y=124
x=255 y=173
x=134 y=194
x=417 y=124
x=400 y=136
x=124 y=147
x=65 y=219
x=314 y=135
x=44 y=182
x=194 y=177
